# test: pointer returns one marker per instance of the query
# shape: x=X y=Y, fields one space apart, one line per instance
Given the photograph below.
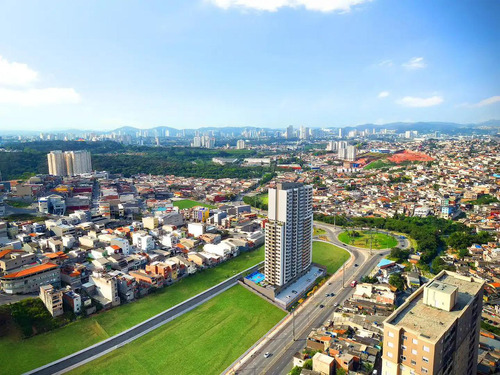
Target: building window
x=413 y=362
x=426 y=360
x=415 y=341
x=405 y=337
x=390 y=334
x=424 y=370
x=414 y=351
x=390 y=345
x=403 y=358
x=427 y=349
x=389 y=354
x=403 y=347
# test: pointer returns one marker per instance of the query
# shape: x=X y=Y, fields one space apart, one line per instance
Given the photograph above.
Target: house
x=52 y=299
x=11 y=259
x=323 y=364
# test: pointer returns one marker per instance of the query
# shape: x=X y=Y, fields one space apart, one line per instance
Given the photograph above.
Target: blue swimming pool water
x=256 y=277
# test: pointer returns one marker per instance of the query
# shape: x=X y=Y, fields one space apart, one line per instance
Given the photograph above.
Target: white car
x=267 y=355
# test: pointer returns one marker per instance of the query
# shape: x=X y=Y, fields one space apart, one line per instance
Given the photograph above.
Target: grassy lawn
x=20 y=355
x=259 y=201
x=380 y=240
x=378 y=164
x=188 y=203
x=203 y=341
x=329 y=255
x=18 y=204
x=318 y=231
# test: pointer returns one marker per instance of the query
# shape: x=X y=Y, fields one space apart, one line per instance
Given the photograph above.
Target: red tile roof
x=30 y=271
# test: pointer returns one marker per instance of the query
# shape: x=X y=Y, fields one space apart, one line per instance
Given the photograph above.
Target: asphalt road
x=77 y=359
x=282 y=345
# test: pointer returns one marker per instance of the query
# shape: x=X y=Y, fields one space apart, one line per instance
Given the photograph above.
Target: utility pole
x=371 y=240
x=293 y=324
x=343 y=275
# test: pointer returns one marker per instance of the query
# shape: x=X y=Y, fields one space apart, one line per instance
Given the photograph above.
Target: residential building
x=436 y=331
x=288 y=233
x=11 y=259
x=69 y=163
x=52 y=299
x=57 y=163
x=240 y=145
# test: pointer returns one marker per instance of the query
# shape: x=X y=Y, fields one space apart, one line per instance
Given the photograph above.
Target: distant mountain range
x=399 y=127
x=491 y=126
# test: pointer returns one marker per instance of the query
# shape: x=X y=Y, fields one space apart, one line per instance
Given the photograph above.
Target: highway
x=282 y=344
x=88 y=354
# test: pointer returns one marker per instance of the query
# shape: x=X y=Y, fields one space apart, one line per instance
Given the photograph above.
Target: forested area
x=29 y=159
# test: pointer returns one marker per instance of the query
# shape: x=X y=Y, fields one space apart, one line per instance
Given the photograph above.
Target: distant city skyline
x=218 y=63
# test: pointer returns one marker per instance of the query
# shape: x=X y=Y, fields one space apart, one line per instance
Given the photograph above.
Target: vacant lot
x=362 y=239
x=188 y=203
x=329 y=255
x=18 y=355
x=203 y=341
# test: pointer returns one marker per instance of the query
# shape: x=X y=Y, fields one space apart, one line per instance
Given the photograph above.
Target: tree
x=462 y=253
x=438 y=264
x=295 y=371
x=399 y=254
x=368 y=279
x=308 y=364
x=340 y=371
x=396 y=280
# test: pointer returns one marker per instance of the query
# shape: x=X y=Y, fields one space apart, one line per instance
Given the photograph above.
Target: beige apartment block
x=436 y=331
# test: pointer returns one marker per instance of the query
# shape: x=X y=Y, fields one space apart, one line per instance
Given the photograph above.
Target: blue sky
x=192 y=63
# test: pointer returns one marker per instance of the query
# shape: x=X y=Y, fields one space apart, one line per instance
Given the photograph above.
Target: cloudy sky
x=191 y=63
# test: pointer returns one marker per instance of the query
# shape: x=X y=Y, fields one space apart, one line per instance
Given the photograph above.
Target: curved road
x=282 y=345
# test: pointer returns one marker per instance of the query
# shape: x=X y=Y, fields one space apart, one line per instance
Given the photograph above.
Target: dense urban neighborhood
x=377 y=215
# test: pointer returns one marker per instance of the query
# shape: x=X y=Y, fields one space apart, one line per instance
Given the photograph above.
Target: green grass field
x=380 y=240
x=378 y=164
x=188 y=203
x=203 y=341
x=318 y=231
x=228 y=325
x=20 y=355
x=329 y=255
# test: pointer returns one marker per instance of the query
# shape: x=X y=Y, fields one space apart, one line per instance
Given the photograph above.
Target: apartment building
x=288 y=252
x=436 y=331
x=52 y=299
x=69 y=163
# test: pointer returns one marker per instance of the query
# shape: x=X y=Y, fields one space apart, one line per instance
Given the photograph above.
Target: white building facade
x=288 y=233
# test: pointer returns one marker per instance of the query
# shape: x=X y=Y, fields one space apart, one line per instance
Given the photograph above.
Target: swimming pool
x=256 y=277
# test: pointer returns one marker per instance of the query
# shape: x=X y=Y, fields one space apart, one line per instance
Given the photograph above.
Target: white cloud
x=411 y=101
x=36 y=97
x=385 y=63
x=383 y=94
x=274 y=5
x=415 y=63
x=16 y=74
x=488 y=101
